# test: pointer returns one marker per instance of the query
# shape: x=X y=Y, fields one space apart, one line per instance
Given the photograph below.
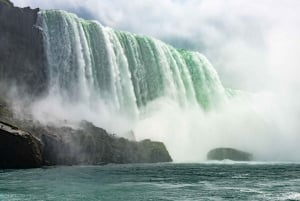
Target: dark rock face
x=229 y=153
x=18 y=149
x=88 y=145
x=22 y=57
x=91 y=145
x=85 y=145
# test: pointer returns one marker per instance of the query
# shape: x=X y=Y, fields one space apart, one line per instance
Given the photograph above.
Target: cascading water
x=121 y=82
x=89 y=62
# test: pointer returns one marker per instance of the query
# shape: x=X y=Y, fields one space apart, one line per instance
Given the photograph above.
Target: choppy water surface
x=211 y=181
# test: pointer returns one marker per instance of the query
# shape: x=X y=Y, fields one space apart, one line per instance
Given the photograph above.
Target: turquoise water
x=253 y=181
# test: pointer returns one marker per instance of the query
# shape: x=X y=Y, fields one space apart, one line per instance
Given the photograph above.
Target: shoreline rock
x=229 y=153
x=88 y=145
x=18 y=149
x=91 y=145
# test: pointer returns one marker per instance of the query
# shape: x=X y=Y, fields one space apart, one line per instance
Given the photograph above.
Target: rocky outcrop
x=91 y=145
x=22 y=57
x=87 y=145
x=18 y=149
x=83 y=145
x=229 y=153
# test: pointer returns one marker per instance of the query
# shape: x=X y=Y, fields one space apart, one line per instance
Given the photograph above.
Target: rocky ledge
x=29 y=144
x=87 y=145
x=91 y=145
x=229 y=153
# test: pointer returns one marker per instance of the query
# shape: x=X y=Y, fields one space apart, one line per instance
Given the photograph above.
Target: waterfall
x=122 y=82
x=89 y=62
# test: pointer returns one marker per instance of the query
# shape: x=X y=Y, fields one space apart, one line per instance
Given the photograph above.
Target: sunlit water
x=208 y=181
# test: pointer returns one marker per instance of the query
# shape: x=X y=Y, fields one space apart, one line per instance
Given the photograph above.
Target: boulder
x=154 y=152
x=229 y=153
x=18 y=149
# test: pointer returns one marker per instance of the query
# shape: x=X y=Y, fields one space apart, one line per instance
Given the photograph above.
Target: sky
x=253 y=44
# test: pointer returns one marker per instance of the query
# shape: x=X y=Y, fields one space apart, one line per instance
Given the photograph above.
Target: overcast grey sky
x=254 y=44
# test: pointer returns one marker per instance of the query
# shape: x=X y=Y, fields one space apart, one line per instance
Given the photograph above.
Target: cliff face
x=22 y=57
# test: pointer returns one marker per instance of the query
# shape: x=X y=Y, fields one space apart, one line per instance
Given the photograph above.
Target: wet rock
x=91 y=145
x=229 y=153
x=85 y=144
x=18 y=149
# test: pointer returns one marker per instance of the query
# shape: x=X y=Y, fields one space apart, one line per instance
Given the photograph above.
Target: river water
x=206 y=181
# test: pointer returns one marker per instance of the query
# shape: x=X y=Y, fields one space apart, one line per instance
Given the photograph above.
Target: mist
x=253 y=45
